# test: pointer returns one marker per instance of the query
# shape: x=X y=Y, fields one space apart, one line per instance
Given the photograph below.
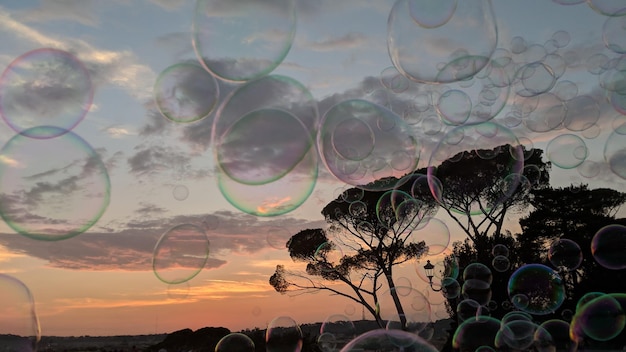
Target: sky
x=128 y=125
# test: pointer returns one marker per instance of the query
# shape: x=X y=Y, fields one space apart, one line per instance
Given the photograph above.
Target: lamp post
x=429 y=268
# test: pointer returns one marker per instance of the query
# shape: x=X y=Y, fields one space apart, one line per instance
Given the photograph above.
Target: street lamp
x=429 y=268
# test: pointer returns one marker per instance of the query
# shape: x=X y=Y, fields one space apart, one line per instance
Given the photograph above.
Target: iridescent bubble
x=601 y=319
x=500 y=263
x=244 y=122
x=180 y=192
x=553 y=335
x=450 y=288
x=367 y=160
x=180 y=254
x=500 y=249
x=615 y=152
x=474 y=333
x=330 y=253
x=186 y=93
x=283 y=334
x=597 y=63
x=211 y=222
x=243 y=41
x=565 y=90
x=586 y=298
x=468 y=309
x=262 y=146
x=561 y=37
x=548 y=115
x=478 y=271
x=342 y=330
x=45 y=87
x=277 y=237
x=235 y=342
x=406 y=39
x=352 y=195
x=431 y=13
x=393 y=80
x=609 y=245
x=454 y=107
x=582 y=112
x=565 y=254
x=393 y=340
x=435 y=234
x=275 y=198
x=18 y=316
x=542 y=286
x=567 y=151
x=534 y=79
x=517 y=335
x=567 y=315
x=518 y=45
x=52 y=189
x=592 y=132
x=607 y=7
x=478 y=290
x=614 y=32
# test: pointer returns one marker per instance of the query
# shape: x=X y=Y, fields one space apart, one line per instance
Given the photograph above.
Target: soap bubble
x=608 y=246
x=45 y=87
x=283 y=334
x=542 y=286
x=565 y=254
x=389 y=340
x=407 y=39
x=52 y=189
x=18 y=316
x=186 y=93
x=235 y=342
x=244 y=40
x=180 y=254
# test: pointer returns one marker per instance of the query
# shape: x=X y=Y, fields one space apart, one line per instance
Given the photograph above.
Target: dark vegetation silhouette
x=480 y=191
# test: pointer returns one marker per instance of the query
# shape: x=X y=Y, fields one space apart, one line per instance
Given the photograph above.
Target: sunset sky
x=156 y=174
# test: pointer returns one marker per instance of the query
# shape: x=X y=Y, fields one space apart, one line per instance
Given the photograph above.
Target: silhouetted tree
x=575 y=213
x=370 y=233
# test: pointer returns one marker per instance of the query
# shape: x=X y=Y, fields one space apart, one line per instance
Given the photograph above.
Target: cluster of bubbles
x=54 y=184
x=268 y=140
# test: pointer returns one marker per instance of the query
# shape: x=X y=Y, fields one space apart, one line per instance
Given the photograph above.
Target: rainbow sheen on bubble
x=409 y=33
x=235 y=342
x=608 y=246
x=18 y=316
x=45 y=87
x=283 y=334
x=180 y=254
x=244 y=40
x=52 y=189
x=186 y=93
x=543 y=288
x=366 y=145
x=391 y=340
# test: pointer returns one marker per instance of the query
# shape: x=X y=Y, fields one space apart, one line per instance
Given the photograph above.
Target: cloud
x=131 y=249
x=81 y=11
x=347 y=41
x=119 y=68
x=156 y=158
x=169 y=5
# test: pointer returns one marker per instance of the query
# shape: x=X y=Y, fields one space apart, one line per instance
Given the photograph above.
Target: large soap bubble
x=388 y=340
x=541 y=286
x=283 y=334
x=186 y=93
x=18 y=316
x=608 y=246
x=243 y=40
x=45 y=87
x=52 y=189
x=366 y=145
x=263 y=136
x=180 y=254
x=463 y=32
